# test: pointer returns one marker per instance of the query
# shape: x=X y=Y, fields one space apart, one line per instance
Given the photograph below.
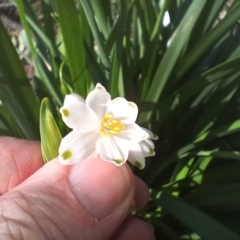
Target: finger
x=19 y=159
x=134 y=228
x=141 y=195
x=89 y=200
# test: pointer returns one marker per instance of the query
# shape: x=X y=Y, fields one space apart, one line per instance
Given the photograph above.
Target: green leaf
x=216 y=176
x=207 y=18
x=73 y=41
x=48 y=23
x=96 y=33
x=42 y=39
x=208 y=41
x=189 y=89
x=224 y=195
x=50 y=134
x=158 y=24
x=95 y=69
x=178 y=41
x=116 y=71
x=16 y=93
x=7 y=124
x=101 y=16
x=224 y=130
x=151 y=52
x=198 y=221
x=223 y=96
x=38 y=54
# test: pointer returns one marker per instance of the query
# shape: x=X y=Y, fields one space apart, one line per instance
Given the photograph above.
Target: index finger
x=19 y=159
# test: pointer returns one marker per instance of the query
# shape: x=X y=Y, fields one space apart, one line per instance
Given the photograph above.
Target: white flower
x=105 y=127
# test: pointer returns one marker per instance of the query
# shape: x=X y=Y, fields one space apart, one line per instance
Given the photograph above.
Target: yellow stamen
x=114 y=121
x=103 y=133
x=105 y=125
x=110 y=125
x=113 y=132
x=118 y=128
x=107 y=117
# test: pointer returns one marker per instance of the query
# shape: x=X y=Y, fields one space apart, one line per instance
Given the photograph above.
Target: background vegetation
x=184 y=76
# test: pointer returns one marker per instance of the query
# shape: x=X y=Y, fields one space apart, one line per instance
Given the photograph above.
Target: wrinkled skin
x=89 y=200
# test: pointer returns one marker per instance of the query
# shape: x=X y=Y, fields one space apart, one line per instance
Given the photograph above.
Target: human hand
x=89 y=200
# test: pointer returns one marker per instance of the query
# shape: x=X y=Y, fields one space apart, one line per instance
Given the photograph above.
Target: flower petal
x=76 y=147
x=98 y=100
x=112 y=149
x=136 y=156
x=133 y=132
x=122 y=109
x=72 y=99
x=151 y=134
x=79 y=117
x=147 y=147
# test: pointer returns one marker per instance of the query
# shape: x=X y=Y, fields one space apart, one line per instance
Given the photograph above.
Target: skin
x=89 y=200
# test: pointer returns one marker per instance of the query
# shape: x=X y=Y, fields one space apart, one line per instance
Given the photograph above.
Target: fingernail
x=99 y=186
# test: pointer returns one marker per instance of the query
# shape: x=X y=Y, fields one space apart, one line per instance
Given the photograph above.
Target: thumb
x=88 y=200
x=102 y=187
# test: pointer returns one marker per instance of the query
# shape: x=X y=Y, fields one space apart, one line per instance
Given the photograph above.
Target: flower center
x=110 y=125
